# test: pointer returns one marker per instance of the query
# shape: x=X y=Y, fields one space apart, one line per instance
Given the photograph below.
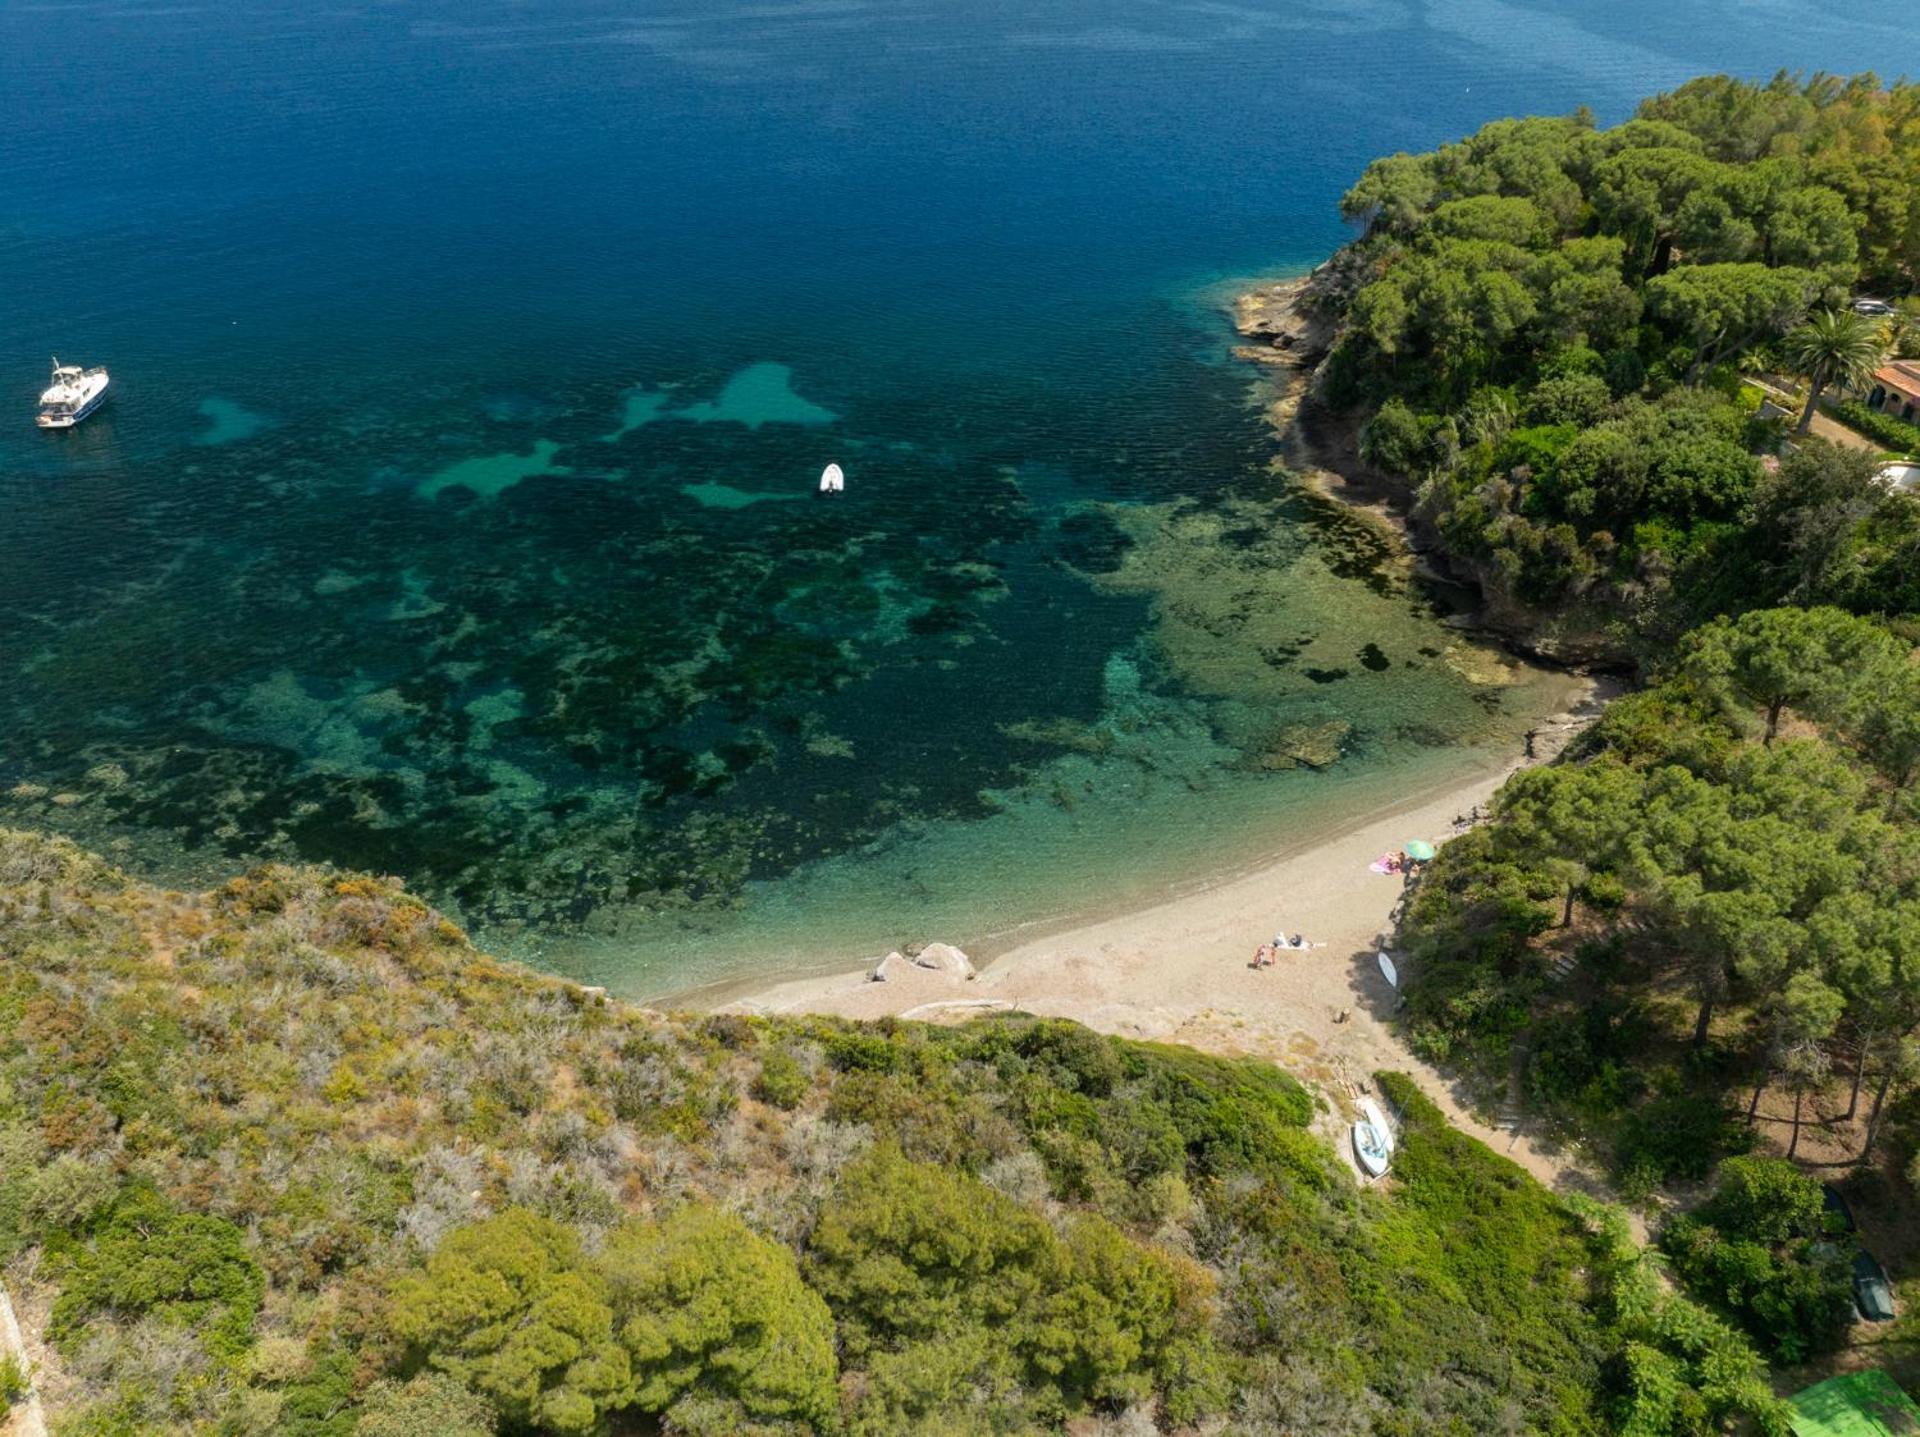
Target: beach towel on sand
x=1383 y=864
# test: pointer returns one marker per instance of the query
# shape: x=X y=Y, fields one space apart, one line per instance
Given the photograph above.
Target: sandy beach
x=1180 y=971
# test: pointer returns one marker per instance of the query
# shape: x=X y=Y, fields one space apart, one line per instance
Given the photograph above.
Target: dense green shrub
x=852 y=1050
x=148 y=1256
x=319 y=1402
x=1758 y=1251
x=781 y=1080
x=1680 y=460
x=1576 y=399
x=1234 y=1116
x=920 y=1264
x=1681 y=1371
x=1899 y=435
x=1070 y=1056
x=431 y=1404
x=1587 y=1062
x=1469 y=928
x=710 y=1312
x=1676 y=1137
x=1471 y=1225
x=511 y=1308
x=1764 y=1200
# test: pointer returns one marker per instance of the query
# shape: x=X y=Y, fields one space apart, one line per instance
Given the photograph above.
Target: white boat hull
x=1370 y=1149
x=67 y=421
x=1370 y=1113
x=59 y=409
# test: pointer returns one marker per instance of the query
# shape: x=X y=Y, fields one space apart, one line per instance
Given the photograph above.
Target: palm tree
x=1833 y=347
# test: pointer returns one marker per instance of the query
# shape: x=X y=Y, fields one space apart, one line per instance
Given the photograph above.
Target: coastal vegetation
x=291 y=1157
x=1709 y=902
x=1559 y=338
x=1551 y=324
x=1759 y=1248
x=1834 y=347
x=1896 y=434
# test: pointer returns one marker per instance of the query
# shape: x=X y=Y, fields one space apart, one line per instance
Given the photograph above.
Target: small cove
x=503 y=570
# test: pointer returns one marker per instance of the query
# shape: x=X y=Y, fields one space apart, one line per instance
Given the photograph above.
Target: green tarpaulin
x=1861 y=1404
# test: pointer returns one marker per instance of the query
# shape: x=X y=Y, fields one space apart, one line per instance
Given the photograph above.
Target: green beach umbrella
x=1419 y=848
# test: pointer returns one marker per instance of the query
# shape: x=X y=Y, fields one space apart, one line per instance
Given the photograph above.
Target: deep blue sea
x=473 y=364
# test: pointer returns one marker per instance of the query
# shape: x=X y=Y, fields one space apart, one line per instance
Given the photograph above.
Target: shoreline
x=1274 y=333
x=1320 y=449
x=975 y=891
x=1315 y=449
x=1177 y=969
x=1158 y=971
x=1000 y=944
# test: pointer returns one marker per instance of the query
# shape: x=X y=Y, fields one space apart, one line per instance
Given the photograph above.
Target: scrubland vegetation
x=292 y=1158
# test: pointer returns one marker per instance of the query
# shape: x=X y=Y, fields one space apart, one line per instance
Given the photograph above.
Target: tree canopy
x=511 y=1308
x=1549 y=327
x=711 y=1308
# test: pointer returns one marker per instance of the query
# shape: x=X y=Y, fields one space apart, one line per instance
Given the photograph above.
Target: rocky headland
x=1289 y=327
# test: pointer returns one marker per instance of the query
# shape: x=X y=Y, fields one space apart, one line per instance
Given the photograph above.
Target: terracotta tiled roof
x=1903 y=375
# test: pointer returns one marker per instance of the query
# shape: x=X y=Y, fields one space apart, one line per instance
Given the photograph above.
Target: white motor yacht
x=74 y=394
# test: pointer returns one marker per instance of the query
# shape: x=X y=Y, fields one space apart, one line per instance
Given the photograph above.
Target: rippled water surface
x=473 y=365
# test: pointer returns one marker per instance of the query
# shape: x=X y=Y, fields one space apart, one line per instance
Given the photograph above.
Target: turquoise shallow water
x=473 y=365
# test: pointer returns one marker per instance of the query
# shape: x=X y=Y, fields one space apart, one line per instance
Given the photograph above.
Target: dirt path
x=26 y=1419
x=1825 y=425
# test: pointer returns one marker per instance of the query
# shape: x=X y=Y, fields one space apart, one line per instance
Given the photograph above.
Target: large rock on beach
x=944 y=958
x=891 y=969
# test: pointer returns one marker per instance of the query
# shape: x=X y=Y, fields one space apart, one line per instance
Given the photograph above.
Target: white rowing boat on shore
x=1372 y=1139
x=1370 y=1110
x=1370 y=1149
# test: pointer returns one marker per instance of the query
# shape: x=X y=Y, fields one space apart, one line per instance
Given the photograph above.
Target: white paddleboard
x=1388 y=971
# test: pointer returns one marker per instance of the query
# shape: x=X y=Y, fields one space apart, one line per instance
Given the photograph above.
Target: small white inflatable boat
x=833 y=480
